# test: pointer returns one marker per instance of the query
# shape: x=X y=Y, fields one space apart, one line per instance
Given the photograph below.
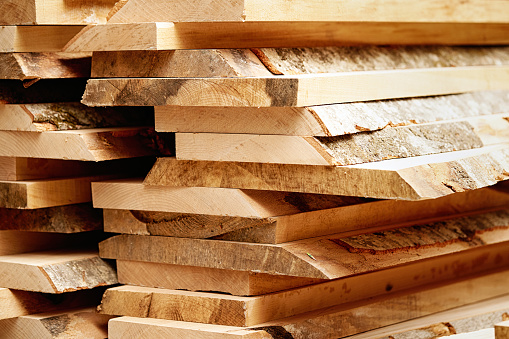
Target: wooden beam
x=56 y=271
x=327 y=257
x=80 y=322
x=329 y=120
x=376 y=215
x=54 y=12
x=326 y=10
x=36 y=38
x=62 y=219
x=294 y=90
x=204 y=35
x=42 y=91
x=430 y=176
x=88 y=144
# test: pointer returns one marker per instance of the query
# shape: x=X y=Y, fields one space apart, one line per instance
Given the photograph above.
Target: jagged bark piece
x=327 y=257
x=24 y=66
x=82 y=323
x=47 y=193
x=50 y=38
x=88 y=144
x=205 y=35
x=230 y=310
x=358 y=317
x=329 y=120
x=294 y=90
x=502 y=330
x=62 y=219
x=132 y=194
x=16 y=303
x=54 y=12
x=55 y=271
x=70 y=116
x=430 y=176
x=377 y=215
x=279 y=10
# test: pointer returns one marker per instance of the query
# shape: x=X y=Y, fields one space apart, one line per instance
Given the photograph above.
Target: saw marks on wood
x=55 y=271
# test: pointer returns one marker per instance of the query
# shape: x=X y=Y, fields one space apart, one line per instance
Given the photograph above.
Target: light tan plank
x=36 y=38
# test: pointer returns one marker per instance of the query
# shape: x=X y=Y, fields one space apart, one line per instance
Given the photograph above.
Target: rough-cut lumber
x=24 y=66
x=70 y=116
x=362 y=316
x=224 y=309
x=502 y=330
x=329 y=120
x=301 y=10
x=350 y=219
x=42 y=91
x=388 y=143
x=70 y=323
x=294 y=90
x=191 y=278
x=36 y=38
x=96 y=144
x=203 y=35
x=132 y=194
x=47 y=193
x=54 y=12
x=429 y=176
x=62 y=219
x=55 y=271
x=326 y=257
x=16 y=303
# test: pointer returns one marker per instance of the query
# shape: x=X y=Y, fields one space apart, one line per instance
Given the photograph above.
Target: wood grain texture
x=204 y=35
x=329 y=120
x=351 y=219
x=51 y=38
x=326 y=257
x=214 y=308
x=415 y=178
x=294 y=90
x=502 y=330
x=56 y=271
x=81 y=322
x=42 y=91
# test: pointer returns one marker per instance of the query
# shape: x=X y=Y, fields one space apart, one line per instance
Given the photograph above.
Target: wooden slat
x=36 y=38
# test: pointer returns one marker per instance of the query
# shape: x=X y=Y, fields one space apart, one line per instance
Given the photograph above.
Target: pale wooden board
x=54 y=12
x=203 y=35
x=301 y=10
x=376 y=215
x=71 y=323
x=50 y=38
x=294 y=90
x=329 y=120
x=326 y=257
x=55 y=271
x=214 y=308
x=430 y=176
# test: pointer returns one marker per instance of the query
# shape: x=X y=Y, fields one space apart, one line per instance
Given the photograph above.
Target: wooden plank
x=24 y=66
x=326 y=257
x=80 y=322
x=47 y=193
x=376 y=215
x=70 y=116
x=294 y=90
x=363 y=147
x=325 y=10
x=55 y=271
x=62 y=219
x=42 y=91
x=204 y=35
x=132 y=194
x=488 y=333
x=31 y=38
x=16 y=303
x=215 y=308
x=97 y=144
x=54 y=12
x=502 y=330
x=430 y=176
x=329 y=120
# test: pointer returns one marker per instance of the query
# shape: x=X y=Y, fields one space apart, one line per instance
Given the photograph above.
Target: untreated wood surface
x=430 y=176
x=325 y=257
x=34 y=38
x=56 y=271
x=42 y=91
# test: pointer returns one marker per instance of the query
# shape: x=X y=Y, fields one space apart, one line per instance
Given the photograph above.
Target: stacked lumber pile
x=324 y=184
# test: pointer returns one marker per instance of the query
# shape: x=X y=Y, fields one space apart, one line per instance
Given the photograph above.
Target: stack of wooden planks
x=324 y=170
